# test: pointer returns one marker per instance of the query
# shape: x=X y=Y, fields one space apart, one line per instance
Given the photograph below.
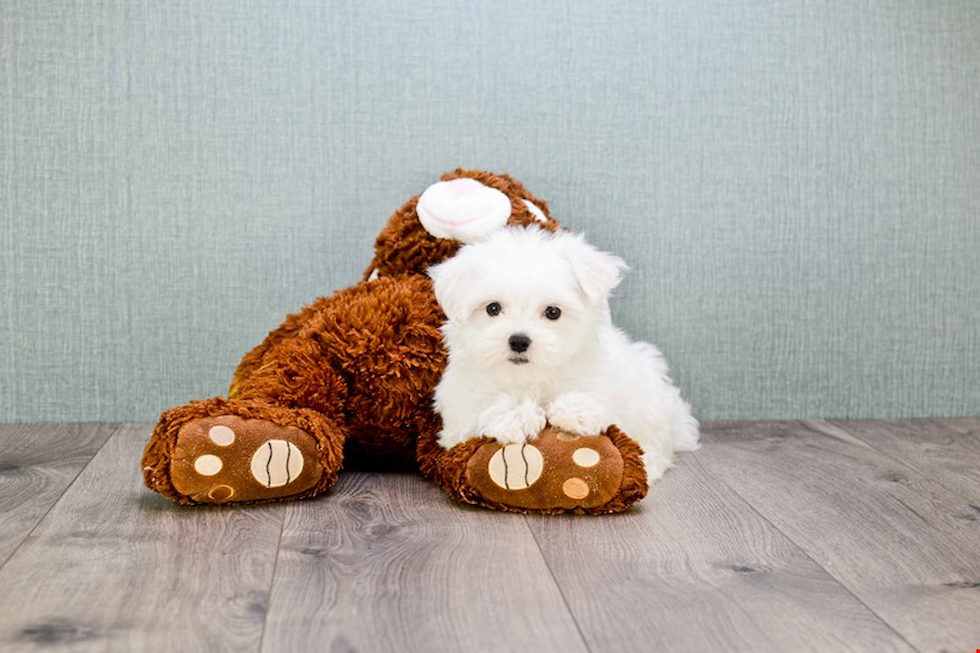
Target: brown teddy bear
x=348 y=381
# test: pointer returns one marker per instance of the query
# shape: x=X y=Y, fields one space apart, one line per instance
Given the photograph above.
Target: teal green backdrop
x=796 y=185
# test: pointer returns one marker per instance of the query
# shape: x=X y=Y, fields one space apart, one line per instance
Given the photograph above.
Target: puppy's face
x=524 y=301
x=529 y=317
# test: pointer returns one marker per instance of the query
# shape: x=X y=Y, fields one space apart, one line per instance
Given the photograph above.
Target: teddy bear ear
x=535 y=210
x=596 y=272
x=462 y=209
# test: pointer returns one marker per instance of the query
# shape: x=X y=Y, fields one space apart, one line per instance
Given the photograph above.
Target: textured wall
x=796 y=184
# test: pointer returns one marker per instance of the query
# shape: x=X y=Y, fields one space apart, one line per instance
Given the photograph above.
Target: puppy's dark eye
x=552 y=312
x=493 y=309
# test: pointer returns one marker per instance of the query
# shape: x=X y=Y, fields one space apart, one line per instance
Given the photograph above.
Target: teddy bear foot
x=227 y=458
x=557 y=472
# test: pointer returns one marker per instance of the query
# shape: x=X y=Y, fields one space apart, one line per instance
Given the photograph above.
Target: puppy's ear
x=596 y=272
x=450 y=280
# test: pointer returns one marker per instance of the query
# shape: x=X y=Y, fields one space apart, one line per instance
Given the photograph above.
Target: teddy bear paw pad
x=558 y=471
x=516 y=466
x=232 y=459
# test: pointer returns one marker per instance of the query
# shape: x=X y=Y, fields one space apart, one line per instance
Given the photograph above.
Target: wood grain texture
x=774 y=536
x=389 y=563
x=694 y=568
x=113 y=566
x=947 y=451
x=37 y=463
x=892 y=536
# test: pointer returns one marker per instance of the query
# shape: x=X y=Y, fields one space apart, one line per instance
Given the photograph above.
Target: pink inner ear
x=463 y=186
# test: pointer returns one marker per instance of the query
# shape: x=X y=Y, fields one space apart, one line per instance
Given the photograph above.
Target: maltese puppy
x=531 y=341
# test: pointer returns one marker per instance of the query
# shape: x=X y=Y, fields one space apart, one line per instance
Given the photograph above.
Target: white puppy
x=531 y=340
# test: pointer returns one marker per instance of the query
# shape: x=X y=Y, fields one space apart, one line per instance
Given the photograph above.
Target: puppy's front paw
x=579 y=413
x=511 y=422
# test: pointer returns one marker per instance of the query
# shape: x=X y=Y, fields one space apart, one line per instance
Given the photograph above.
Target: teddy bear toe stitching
x=229 y=458
x=516 y=466
x=276 y=463
x=560 y=471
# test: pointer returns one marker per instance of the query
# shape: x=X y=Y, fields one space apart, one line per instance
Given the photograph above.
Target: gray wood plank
x=947 y=451
x=389 y=563
x=37 y=463
x=694 y=568
x=113 y=566
x=887 y=533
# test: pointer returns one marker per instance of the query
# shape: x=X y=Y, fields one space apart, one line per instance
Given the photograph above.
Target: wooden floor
x=775 y=536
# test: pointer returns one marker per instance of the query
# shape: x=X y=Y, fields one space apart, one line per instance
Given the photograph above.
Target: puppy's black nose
x=519 y=343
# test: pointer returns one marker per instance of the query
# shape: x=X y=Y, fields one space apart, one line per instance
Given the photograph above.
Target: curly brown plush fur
x=346 y=380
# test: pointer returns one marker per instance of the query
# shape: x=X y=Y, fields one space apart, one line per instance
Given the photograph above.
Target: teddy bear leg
x=556 y=473
x=291 y=328
x=232 y=451
x=280 y=437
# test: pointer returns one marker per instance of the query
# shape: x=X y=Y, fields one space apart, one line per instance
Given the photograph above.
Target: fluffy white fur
x=580 y=373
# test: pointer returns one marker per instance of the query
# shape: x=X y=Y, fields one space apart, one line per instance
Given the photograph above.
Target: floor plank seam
x=554 y=580
x=904 y=463
x=778 y=535
x=116 y=428
x=799 y=548
x=272 y=582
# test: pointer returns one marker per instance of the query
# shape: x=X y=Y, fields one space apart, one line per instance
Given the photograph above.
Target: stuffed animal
x=348 y=382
